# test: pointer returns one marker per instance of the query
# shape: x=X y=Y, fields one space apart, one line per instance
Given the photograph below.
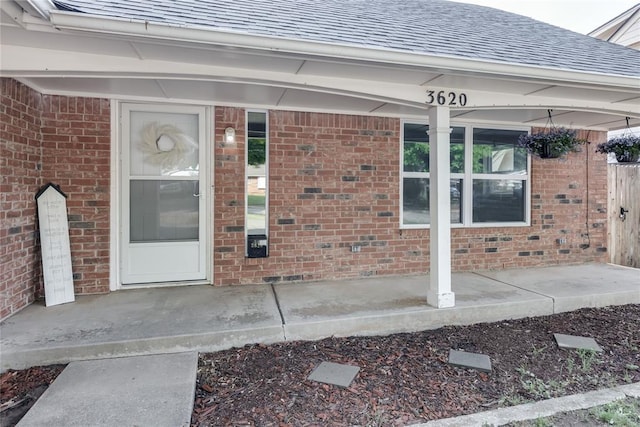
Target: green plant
x=378 y=419
x=532 y=384
x=619 y=413
x=625 y=147
x=551 y=142
x=587 y=357
x=511 y=399
x=542 y=422
x=537 y=388
x=538 y=351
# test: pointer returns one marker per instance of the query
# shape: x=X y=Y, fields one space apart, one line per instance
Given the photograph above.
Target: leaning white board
x=55 y=246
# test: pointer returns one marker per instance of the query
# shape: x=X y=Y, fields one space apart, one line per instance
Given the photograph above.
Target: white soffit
x=99 y=87
x=538 y=117
x=294 y=98
x=396 y=110
x=220 y=92
x=586 y=94
x=373 y=73
x=208 y=56
x=508 y=115
x=485 y=84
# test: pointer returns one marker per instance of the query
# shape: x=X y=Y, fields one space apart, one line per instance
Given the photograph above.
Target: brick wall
x=65 y=141
x=20 y=163
x=334 y=183
x=76 y=146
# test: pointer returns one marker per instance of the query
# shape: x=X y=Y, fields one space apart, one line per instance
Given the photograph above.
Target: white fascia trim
x=38 y=7
x=136 y=28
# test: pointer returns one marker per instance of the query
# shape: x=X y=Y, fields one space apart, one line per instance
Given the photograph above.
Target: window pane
x=256 y=221
x=455 y=192
x=163 y=210
x=498 y=200
x=416 y=148
x=496 y=151
x=415 y=201
x=164 y=144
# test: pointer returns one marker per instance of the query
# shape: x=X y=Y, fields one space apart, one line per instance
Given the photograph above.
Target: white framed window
x=489 y=177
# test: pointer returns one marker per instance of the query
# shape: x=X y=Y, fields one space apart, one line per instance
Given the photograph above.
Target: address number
x=446 y=98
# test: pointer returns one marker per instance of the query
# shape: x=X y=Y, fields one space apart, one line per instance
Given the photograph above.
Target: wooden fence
x=624 y=214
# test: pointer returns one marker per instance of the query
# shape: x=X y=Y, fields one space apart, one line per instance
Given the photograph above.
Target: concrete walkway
x=134 y=353
x=205 y=318
x=131 y=391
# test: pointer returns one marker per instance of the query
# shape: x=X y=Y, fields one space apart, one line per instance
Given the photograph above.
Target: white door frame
x=115 y=240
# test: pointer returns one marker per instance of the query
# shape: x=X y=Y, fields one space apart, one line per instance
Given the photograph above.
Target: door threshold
x=163 y=284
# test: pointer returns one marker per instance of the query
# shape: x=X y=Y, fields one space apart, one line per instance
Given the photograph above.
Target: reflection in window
x=416 y=148
x=257 y=184
x=415 y=201
x=495 y=176
x=498 y=200
x=415 y=183
x=497 y=151
x=256 y=173
x=163 y=210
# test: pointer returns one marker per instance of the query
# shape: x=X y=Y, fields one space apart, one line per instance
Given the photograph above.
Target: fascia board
x=627 y=25
x=618 y=20
x=141 y=29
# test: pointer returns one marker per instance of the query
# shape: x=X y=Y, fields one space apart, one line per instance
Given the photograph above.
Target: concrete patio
x=205 y=318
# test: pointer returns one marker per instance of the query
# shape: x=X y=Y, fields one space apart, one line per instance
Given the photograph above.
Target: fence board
x=624 y=235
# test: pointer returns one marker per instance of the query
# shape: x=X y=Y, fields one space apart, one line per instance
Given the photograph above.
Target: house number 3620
x=446 y=98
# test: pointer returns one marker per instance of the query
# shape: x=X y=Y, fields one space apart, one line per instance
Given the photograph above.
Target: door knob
x=623 y=213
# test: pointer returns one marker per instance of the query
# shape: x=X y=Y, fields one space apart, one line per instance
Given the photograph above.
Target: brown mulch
x=403 y=378
x=20 y=389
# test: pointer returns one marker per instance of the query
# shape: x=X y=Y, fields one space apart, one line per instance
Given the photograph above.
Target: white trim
x=148 y=30
x=114 y=217
x=209 y=187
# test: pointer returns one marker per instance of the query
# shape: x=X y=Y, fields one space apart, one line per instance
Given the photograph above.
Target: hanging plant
x=165 y=145
x=626 y=148
x=552 y=142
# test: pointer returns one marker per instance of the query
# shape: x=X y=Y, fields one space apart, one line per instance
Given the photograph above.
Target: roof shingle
x=433 y=27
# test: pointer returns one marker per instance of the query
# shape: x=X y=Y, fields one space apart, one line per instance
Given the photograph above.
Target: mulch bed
x=403 y=378
x=20 y=389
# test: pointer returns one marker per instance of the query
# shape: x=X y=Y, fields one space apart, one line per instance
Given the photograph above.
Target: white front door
x=163 y=203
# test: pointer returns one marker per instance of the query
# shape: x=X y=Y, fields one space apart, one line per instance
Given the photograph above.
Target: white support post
x=439 y=293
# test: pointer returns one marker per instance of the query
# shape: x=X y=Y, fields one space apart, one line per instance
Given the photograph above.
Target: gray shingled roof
x=434 y=27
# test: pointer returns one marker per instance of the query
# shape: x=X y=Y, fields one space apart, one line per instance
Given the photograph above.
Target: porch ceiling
x=125 y=67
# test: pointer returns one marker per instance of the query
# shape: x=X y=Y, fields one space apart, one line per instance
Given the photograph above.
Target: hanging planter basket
x=626 y=148
x=551 y=143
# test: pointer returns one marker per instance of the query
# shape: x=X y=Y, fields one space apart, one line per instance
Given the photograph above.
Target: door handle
x=623 y=213
x=196 y=195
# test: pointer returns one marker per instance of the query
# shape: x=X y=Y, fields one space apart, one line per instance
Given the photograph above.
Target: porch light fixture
x=230 y=135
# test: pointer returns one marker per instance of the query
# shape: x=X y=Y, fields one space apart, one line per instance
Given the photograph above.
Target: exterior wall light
x=230 y=135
